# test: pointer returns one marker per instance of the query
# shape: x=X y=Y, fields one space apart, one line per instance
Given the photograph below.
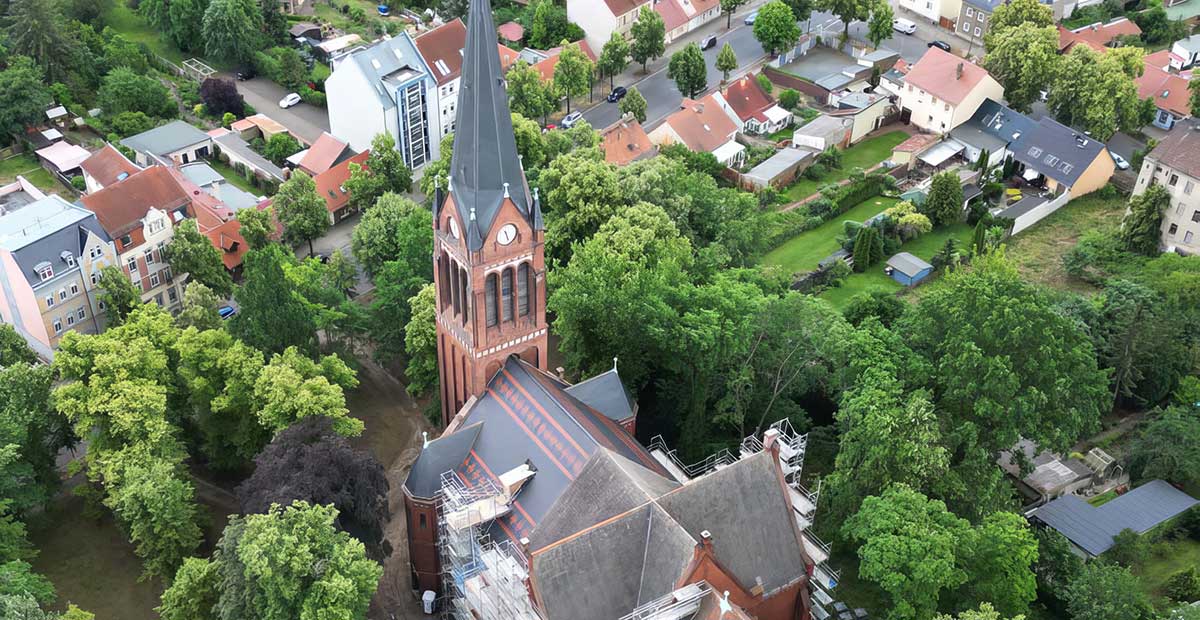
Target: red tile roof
x=1168 y=90
x=217 y=222
x=672 y=14
x=1097 y=36
x=107 y=165
x=702 y=125
x=916 y=143
x=121 y=206
x=330 y=182
x=545 y=68
x=937 y=73
x=322 y=154
x=621 y=7
x=748 y=99
x=445 y=43
x=624 y=142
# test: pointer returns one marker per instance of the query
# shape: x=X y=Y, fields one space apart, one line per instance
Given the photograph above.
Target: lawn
x=1180 y=555
x=1103 y=498
x=1038 y=251
x=128 y=23
x=27 y=165
x=804 y=251
x=233 y=177
x=863 y=155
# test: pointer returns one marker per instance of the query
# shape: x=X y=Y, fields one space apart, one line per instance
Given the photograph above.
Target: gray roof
x=825 y=127
x=985 y=5
x=388 y=64
x=446 y=453
x=908 y=264
x=485 y=160
x=605 y=393
x=204 y=176
x=777 y=164
x=43 y=230
x=993 y=126
x=166 y=139
x=234 y=143
x=1027 y=203
x=1092 y=528
x=1191 y=44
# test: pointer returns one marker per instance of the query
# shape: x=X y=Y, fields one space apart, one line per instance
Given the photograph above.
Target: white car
x=1119 y=161
x=289 y=100
x=569 y=120
x=903 y=25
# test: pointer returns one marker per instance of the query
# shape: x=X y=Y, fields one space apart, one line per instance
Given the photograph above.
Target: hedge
x=783 y=225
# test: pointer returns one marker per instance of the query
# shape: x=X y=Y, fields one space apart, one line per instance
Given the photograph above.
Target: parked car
x=940 y=44
x=289 y=100
x=749 y=21
x=569 y=120
x=245 y=73
x=709 y=42
x=226 y=311
x=1119 y=161
x=905 y=26
x=384 y=10
x=617 y=94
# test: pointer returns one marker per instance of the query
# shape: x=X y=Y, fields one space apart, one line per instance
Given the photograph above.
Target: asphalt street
x=304 y=120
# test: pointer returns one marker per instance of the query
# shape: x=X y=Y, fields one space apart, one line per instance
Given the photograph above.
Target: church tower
x=489 y=260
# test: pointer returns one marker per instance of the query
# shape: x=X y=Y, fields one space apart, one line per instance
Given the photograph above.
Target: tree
x=789 y=98
x=999 y=554
x=614 y=57
x=1104 y=591
x=634 y=104
x=1096 y=92
x=1019 y=12
x=271 y=315
x=726 y=60
x=587 y=195
x=187 y=23
x=194 y=254
x=1184 y=586
x=1141 y=227
x=688 y=69
x=1157 y=27
x=573 y=72
x=125 y=91
x=404 y=271
x=908 y=547
x=531 y=142
x=848 y=11
x=118 y=294
x=279 y=147
x=383 y=172
x=375 y=238
x=199 y=308
x=193 y=593
x=944 y=206
x=801 y=9
x=548 y=25
x=292 y=387
x=301 y=210
x=31 y=435
x=24 y=96
x=868 y=248
x=649 y=36
x=232 y=29
x=257 y=226
x=775 y=28
x=528 y=95
x=879 y=25
x=308 y=461
x=35 y=30
x=221 y=96
x=985 y=612
x=449 y=9
x=420 y=342
x=728 y=7
x=1023 y=58
x=1166 y=448
x=13 y=348
x=881 y=305
x=219 y=374
x=1194 y=98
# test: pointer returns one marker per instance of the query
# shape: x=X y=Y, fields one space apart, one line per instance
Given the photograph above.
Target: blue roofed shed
x=908 y=269
x=1091 y=528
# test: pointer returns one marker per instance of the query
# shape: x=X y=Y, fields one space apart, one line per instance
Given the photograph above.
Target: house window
x=45 y=272
x=171 y=296
x=1173 y=229
x=70 y=320
x=966 y=26
x=947 y=107
x=50 y=301
x=149 y=257
x=1179 y=209
x=74 y=289
x=93 y=279
x=1174 y=180
x=57 y=326
x=70 y=258
x=970 y=13
x=154 y=279
x=1187 y=237
x=1188 y=187
x=81 y=314
x=979 y=17
x=166 y=274
x=100 y=304
x=158 y=299
x=1196 y=216
x=62 y=294
x=126 y=240
x=132 y=265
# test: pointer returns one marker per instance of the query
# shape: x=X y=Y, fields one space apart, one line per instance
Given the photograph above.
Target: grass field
x=1102 y=499
x=128 y=23
x=233 y=177
x=804 y=251
x=1179 y=555
x=862 y=155
x=27 y=165
x=1038 y=252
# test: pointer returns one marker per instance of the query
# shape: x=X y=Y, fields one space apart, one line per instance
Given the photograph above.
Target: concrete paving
x=304 y=120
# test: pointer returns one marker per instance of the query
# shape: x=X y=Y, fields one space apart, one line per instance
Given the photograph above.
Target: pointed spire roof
x=485 y=157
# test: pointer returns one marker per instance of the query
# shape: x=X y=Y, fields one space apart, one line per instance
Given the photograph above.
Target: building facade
x=600 y=18
x=974 y=19
x=942 y=91
x=941 y=12
x=1175 y=165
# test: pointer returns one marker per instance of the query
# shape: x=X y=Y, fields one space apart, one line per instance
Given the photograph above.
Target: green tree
x=192 y=253
x=908 y=547
x=848 y=11
x=24 y=95
x=868 y=248
x=232 y=29
x=726 y=60
x=279 y=147
x=420 y=342
x=985 y=612
x=1020 y=12
x=880 y=305
x=1104 y=591
x=649 y=37
x=689 y=71
x=531 y=143
x=13 y=347
x=1024 y=59
x=999 y=555
x=375 y=239
x=193 y=593
x=257 y=226
x=634 y=104
x=944 y=206
x=527 y=95
x=1141 y=227
x=301 y=210
x=614 y=57
x=293 y=386
x=34 y=29
x=728 y=7
x=186 y=24
x=573 y=72
x=789 y=98
x=776 y=28
x=1096 y=92
x=199 y=308
x=586 y=196
x=118 y=294
x=407 y=269
x=272 y=316
x=1184 y=586
x=384 y=172
x=879 y=25
x=219 y=375
x=1167 y=448
x=17 y=580
x=31 y=435
x=126 y=91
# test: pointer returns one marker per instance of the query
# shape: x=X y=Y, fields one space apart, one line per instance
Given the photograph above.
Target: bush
x=879 y=304
x=1184 y=586
x=78 y=183
x=830 y=157
x=221 y=97
x=815 y=172
x=765 y=83
x=128 y=123
x=1129 y=549
x=837 y=273
x=312 y=97
x=789 y=98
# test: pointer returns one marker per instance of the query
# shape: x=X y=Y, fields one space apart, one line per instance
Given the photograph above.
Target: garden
x=866 y=155
x=26 y=165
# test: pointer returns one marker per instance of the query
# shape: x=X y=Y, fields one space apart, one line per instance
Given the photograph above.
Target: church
x=537 y=501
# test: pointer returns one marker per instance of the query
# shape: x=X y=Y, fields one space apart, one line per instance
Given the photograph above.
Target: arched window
x=455 y=292
x=506 y=293
x=524 y=289
x=490 y=300
x=465 y=292
x=443 y=281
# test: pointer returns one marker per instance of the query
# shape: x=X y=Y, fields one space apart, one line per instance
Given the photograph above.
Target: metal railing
x=677 y=600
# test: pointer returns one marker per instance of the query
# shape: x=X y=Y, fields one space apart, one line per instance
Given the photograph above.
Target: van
x=904 y=25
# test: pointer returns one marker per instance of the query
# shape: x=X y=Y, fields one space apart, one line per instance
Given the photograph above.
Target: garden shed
x=907 y=269
x=1091 y=528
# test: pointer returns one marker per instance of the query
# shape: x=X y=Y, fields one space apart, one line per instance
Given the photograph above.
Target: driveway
x=304 y=120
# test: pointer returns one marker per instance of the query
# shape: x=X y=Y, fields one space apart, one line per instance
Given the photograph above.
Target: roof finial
x=424 y=439
x=472 y=214
x=449 y=181
x=614 y=362
x=725 y=605
x=506 y=190
x=535 y=193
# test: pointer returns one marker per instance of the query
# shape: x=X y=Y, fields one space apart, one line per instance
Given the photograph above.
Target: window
x=966 y=26
x=970 y=13
x=149 y=257
x=100 y=305
x=45 y=271
x=81 y=314
x=94 y=252
x=57 y=326
x=126 y=240
x=524 y=289
x=946 y=108
x=171 y=295
x=978 y=32
x=1179 y=209
x=70 y=320
x=1174 y=180
x=62 y=294
x=421 y=519
x=70 y=258
x=1196 y=216
x=155 y=226
x=74 y=289
x=506 y=294
x=490 y=300
x=1187 y=237
x=94 y=279
x=50 y=301
x=158 y=299
x=166 y=274
x=154 y=279
x=1173 y=229
x=979 y=17
x=1188 y=187
x=132 y=265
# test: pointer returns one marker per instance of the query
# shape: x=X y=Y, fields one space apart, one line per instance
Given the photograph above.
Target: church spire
x=485 y=167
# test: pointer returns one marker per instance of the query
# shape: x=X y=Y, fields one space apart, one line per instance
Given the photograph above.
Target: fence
x=789 y=80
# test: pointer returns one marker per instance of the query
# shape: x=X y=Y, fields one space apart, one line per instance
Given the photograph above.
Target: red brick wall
x=422 y=544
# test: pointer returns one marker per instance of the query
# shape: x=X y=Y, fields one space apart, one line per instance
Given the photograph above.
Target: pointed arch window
x=524 y=289
x=455 y=287
x=506 y=293
x=489 y=301
x=465 y=293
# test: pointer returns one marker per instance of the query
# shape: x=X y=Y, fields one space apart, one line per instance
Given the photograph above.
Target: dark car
x=709 y=42
x=245 y=73
x=940 y=45
x=616 y=94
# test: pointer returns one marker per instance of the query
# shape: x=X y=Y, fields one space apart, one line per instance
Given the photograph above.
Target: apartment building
x=1175 y=164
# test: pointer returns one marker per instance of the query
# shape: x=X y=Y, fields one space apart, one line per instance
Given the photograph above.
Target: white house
x=600 y=18
x=1185 y=52
x=385 y=88
x=943 y=91
x=442 y=51
x=176 y=141
x=943 y=12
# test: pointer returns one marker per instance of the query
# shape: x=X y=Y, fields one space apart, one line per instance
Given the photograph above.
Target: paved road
x=306 y=121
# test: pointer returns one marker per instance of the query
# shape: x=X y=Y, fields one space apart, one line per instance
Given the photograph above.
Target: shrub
x=129 y=123
x=221 y=97
x=789 y=98
x=765 y=83
x=830 y=157
x=312 y=97
x=815 y=172
x=838 y=272
x=78 y=183
x=227 y=119
x=1129 y=549
x=879 y=304
x=1184 y=586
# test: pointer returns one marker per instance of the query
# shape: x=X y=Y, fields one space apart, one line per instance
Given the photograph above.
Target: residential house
x=214 y=206
x=331 y=185
x=823 y=132
x=907 y=152
x=704 y=127
x=941 y=12
x=442 y=51
x=63 y=158
x=600 y=18
x=105 y=167
x=942 y=91
x=233 y=149
x=324 y=154
x=891 y=81
x=1098 y=36
x=386 y=88
x=868 y=112
x=51 y=252
x=1169 y=90
x=753 y=110
x=683 y=16
x=546 y=61
x=139 y=214
x=625 y=142
x=176 y=141
x=974 y=19
x=1185 y=53
x=1175 y=165
x=330 y=49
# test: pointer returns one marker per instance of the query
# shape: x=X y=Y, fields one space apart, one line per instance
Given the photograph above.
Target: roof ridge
x=522 y=364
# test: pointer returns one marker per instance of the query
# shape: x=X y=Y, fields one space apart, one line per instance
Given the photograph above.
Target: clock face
x=507 y=234
x=454 y=228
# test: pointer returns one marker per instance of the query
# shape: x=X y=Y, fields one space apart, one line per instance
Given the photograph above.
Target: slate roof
x=231 y=142
x=387 y=64
x=107 y=165
x=1180 y=150
x=908 y=264
x=42 y=230
x=993 y=126
x=1092 y=528
x=485 y=151
x=605 y=393
x=937 y=73
x=166 y=139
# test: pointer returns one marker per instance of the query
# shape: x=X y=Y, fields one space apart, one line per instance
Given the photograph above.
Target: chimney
x=706 y=540
x=561 y=372
x=771 y=439
x=958 y=71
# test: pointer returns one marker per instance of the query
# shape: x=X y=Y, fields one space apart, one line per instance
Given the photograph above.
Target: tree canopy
x=776 y=28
